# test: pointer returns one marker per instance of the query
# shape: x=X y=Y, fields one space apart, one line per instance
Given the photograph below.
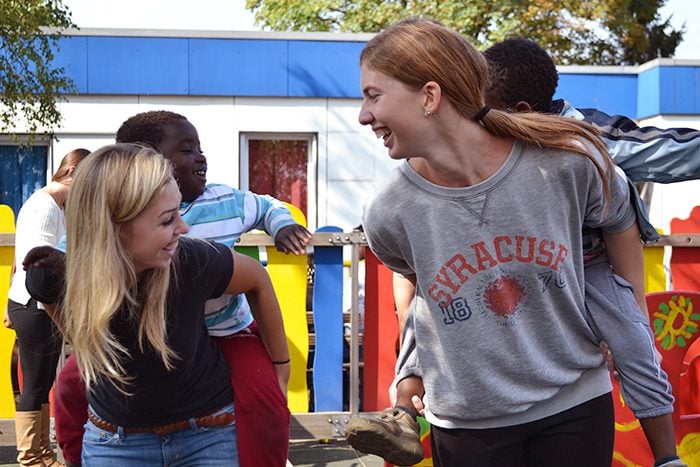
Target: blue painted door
x=22 y=172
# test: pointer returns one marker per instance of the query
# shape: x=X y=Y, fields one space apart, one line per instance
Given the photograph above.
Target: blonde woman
x=40 y=222
x=158 y=387
x=484 y=216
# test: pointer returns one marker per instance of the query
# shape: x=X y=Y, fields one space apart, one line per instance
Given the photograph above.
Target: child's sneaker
x=394 y=436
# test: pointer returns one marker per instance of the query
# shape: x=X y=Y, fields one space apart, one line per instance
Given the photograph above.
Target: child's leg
x=659 y=433
x=262 y=416
x=70 y=411
x=395 y=434
x=614 y=316
x=405 y=390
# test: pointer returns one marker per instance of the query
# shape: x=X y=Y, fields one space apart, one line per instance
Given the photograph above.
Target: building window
x=279 y=165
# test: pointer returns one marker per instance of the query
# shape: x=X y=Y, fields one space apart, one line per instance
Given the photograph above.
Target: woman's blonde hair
x=112 y=186
x=416 y=51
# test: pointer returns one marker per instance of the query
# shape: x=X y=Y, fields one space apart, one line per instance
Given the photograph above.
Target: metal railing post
x=354 y=401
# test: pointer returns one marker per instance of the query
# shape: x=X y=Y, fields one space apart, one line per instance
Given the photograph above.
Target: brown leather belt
x=209 y=421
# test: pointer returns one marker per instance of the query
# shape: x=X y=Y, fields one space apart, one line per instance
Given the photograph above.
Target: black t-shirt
x=200 y=381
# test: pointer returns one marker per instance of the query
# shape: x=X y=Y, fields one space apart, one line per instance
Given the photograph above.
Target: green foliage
x=30 y=85
x=594 y=32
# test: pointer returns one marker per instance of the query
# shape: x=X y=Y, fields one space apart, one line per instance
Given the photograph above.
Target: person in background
x=219 y=213
x=40 y=221
x=133 y=307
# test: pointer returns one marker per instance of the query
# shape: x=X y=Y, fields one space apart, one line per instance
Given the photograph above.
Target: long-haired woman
x=158 y=388
x=485 y=215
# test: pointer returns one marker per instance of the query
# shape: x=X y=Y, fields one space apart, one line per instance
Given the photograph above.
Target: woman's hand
x=283 y=370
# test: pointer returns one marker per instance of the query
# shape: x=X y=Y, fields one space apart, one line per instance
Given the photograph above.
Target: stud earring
x=427 y=113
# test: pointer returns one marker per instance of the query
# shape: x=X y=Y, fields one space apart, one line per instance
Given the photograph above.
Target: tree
x=30 y=85
x=603 y=32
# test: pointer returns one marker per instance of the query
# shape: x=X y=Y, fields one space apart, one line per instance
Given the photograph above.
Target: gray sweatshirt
x=499 y=325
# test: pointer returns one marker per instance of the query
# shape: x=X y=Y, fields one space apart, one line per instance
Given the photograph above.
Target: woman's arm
x=404 y=291
x=251 y=278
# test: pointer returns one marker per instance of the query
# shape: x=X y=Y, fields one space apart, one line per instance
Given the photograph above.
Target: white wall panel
x=351 y=156
x=343 y=116
x=281 y=115
x=345 y=203
x=96 y=114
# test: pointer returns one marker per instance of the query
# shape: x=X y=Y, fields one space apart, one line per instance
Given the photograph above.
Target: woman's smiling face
x=152 y=237
x=393 y=110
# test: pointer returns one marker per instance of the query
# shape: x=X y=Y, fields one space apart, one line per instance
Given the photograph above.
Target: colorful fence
x=289 y=274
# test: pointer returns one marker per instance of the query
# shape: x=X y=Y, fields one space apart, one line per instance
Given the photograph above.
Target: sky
x=231 y=15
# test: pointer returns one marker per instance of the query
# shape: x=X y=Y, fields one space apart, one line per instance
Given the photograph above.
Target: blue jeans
x=191 y=447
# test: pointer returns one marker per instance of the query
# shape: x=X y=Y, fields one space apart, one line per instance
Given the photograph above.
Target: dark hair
x=147 y=127
x=69 y=161
x=521 y=70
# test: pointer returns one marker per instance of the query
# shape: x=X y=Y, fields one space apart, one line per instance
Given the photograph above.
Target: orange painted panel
x=685 y=261
x=380 y=334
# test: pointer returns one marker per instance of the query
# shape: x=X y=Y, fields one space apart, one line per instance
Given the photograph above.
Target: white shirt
x=40 y=222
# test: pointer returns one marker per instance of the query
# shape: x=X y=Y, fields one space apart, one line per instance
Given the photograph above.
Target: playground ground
x=333 y=452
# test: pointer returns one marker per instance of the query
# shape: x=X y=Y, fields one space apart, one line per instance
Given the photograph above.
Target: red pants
x=262 y=416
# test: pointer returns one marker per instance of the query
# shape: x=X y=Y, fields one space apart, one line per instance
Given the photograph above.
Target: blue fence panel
x=328 y=326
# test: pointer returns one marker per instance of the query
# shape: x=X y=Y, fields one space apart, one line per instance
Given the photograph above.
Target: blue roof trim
x=330 y=69
x=219 y=67
x=679 y=90
x=614 y=94
x=648 y=92
x=202 y=66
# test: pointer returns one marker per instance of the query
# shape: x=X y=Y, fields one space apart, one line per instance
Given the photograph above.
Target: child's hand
x=292 y=239
x=45 y=257
x=609 y=360
x=418 y=404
